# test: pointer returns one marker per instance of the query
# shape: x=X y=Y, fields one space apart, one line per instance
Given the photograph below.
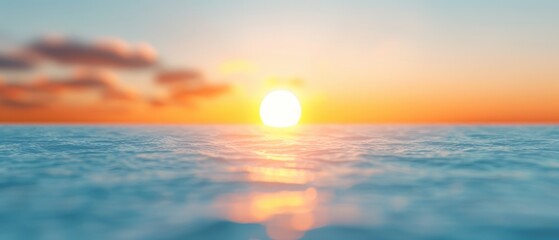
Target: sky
x=213 y=61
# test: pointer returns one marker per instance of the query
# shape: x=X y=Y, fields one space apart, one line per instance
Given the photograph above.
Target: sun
x=280 y=108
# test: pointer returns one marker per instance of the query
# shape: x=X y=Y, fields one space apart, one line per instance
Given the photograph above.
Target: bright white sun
x=280 y=108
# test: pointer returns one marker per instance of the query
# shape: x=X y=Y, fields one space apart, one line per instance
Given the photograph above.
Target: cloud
x=20 y=96
x=113 y=53
x=44 y=92
x=178 y=77
x=94 y=86
x=184 y=86
x=16 y=61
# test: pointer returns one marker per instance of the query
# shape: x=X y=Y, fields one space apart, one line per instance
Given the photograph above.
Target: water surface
x=248 y=182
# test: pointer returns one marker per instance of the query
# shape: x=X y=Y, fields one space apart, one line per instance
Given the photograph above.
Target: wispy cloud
x=184 y=86
x=104 y=53
x=94 y=80
x=13 y=61
x=43 y=91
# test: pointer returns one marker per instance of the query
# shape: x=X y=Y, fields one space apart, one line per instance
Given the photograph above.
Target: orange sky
x=348 y=62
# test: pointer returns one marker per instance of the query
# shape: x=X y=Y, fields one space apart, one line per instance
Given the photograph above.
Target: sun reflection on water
x=278 y=175
x=284 y=176
x=289 y=207
x=285 y=214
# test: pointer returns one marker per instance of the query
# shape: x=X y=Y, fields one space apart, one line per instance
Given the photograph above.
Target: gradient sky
x=348 y=61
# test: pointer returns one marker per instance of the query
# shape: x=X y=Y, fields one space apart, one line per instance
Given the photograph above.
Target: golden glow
x=280 y=108
x=285 y=214
x=278 y=175
x=237 y=66
x=285 y=198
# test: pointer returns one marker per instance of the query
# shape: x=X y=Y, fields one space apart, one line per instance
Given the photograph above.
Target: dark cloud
x=185 y=86
x=44 y=92
x=182 y=87
x=178 y=77
x=16 y=62
x=104 y=53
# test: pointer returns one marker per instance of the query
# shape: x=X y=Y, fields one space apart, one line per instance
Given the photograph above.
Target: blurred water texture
x=250 y=182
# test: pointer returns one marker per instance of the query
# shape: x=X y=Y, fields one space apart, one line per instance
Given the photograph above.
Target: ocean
x=251 y=182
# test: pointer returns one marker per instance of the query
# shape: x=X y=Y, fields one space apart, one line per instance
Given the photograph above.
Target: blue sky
x=208 y=28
